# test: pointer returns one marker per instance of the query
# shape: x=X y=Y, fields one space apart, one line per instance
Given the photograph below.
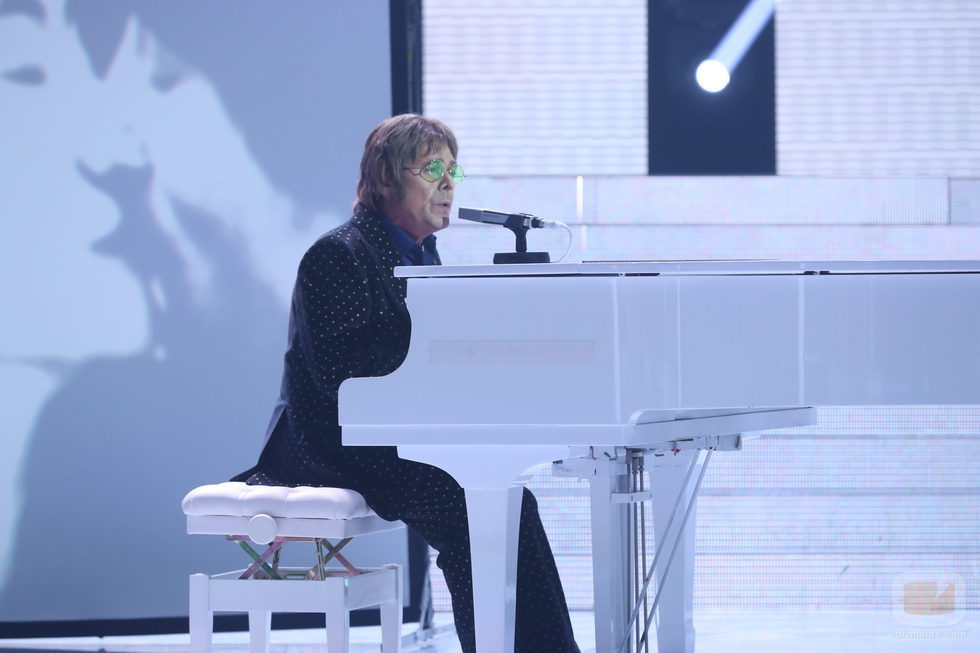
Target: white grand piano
x=602 y=368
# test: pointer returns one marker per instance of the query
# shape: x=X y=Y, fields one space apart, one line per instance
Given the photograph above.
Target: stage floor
x=718 y=632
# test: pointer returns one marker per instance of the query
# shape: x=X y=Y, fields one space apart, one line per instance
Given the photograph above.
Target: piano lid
x=689 y=268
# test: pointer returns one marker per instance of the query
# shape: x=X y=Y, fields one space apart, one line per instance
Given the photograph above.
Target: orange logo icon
x=924 y=598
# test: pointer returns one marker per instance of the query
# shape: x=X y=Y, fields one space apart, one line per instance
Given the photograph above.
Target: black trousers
x=432 y=503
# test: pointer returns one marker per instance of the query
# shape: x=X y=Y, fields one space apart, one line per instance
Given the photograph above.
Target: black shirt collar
x=411 y=252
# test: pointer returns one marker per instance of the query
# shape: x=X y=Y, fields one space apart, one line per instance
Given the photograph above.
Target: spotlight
x=712 y=75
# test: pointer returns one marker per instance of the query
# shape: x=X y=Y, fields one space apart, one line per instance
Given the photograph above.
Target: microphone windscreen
x=470 y=214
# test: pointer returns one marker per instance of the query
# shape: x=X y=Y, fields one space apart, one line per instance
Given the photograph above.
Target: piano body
x=600 y=366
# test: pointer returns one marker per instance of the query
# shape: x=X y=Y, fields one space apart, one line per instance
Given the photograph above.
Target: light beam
x=714 y=72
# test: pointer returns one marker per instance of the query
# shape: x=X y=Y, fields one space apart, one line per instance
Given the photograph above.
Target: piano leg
x=492 y=478
x=494 y=519
x=675 y=630
x=610 y=567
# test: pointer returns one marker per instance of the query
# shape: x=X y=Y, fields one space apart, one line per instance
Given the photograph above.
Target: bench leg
x=201 y=616
x=259 y=624
x=337 y=615
x=391 y=615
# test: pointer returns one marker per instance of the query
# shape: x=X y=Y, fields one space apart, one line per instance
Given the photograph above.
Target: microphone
x=519 y=223
x=525 y=220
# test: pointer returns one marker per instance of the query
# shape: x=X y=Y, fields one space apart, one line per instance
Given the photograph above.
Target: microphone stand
x=517 y=223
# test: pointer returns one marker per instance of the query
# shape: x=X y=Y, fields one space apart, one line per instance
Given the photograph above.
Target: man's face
x=424 y=205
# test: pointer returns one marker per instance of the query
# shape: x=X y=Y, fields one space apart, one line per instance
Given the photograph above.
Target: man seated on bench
x=348 y=319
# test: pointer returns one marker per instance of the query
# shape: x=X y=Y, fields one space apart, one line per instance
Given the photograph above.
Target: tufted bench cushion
x=264 y=512
x=240 y=500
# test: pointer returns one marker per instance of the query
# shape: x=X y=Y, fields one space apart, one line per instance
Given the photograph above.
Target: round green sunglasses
x=435 y=169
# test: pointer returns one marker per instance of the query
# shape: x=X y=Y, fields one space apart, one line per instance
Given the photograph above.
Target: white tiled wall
x=812 y=218
x=878 y=87
x=540 y=87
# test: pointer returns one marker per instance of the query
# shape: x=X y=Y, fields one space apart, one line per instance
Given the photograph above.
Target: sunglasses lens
x=456 y=172
x=434 y=170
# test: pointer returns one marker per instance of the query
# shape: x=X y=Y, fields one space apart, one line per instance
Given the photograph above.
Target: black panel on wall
x=692 y=131
x=406 y=56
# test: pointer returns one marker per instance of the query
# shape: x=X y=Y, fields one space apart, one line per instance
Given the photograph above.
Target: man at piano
x=348 y=318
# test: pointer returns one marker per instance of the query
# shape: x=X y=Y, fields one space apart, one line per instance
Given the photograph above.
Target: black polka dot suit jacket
x=348 y=318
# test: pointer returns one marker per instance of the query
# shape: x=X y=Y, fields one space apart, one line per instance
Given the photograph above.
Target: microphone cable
x=541 y=223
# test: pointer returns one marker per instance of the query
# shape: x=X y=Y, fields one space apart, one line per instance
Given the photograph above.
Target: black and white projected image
x=156 y=198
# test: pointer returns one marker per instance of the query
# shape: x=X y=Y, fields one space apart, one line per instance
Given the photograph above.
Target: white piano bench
x=275 y=516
